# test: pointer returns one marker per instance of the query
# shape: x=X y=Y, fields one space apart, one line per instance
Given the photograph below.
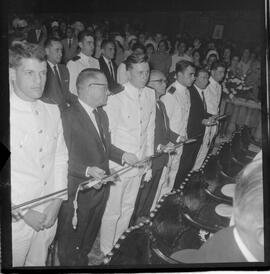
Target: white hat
x=131 y=37
x=54 y=24
x=210 y=52
x=120 y=39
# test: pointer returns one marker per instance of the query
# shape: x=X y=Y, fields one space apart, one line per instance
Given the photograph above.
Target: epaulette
x=171 y=90
x=117 y=88
x=75 y=58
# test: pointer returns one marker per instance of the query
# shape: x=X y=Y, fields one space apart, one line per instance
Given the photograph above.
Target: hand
x=129 y=158
x=167 y=148
x=181 y=139
x=95 y=172
x=34 y=219
x=51 y=212
x=16 y=214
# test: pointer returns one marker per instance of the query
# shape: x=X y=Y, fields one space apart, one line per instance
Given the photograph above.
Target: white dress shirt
x=213 y=96
x=243 y=248
x=75 y=67
x=131 y=116
x=39 y=156
x=177 y=107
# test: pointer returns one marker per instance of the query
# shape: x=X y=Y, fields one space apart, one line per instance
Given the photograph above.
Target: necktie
x=162 y=113
x=204 y=103
x=101 y=133
x=111 y=69
x=69 y=43
x=57 y=77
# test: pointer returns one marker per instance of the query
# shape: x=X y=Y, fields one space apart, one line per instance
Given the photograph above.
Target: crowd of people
x=86 y=102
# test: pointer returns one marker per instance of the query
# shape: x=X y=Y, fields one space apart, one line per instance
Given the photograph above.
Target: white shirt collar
x=87 y=108
x=106 y=60
x=212 y=81
x=199 y=90
x=246 y=253
x=52 y=65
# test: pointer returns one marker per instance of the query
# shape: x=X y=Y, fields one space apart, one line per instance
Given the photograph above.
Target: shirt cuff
x=86 y=172
x=178 y=139
x=159 y=148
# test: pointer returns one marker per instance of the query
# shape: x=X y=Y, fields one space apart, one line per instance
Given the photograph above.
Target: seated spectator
x=245 y=62
x=131 y=40
x=70 y=45
x=226 y=56
x=119 y=46
x=161 y=60
x=196 y=55
x=243 y=242
x=180 y=55
x=211 y=57
x=98 y=40
x=150 y=50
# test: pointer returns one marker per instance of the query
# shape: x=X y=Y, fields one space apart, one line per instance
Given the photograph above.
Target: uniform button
x=43 y=166
x=40 y=150
x=140 y=108
x=141 y=121
x=21 y=146
x=40 y=131
x=36 y=112
x=45 y=183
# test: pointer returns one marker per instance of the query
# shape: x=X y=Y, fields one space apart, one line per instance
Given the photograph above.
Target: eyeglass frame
x=161 y=81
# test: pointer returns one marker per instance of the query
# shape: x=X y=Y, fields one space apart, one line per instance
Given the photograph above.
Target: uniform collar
x=179 y=86
x=213 y=81
x=84 y=57
x=243 y=248
x=21 y=104
x=133 y=91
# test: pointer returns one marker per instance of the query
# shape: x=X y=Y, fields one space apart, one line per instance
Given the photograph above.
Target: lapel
x=87 y=124
x=197 y=96
x=105 y=67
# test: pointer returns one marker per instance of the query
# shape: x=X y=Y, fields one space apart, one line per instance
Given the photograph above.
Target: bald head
x=157 y=81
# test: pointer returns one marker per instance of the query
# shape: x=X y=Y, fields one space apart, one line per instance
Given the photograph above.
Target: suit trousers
x=118 y=211
x=146 y=196
x=30 y=248
x=75 y=244
x=188 y=158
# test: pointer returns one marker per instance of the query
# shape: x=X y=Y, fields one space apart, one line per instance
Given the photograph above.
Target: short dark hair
x=82 y=34
x=217 y=64
x=135 y=59
x=19 y=50
x=182 y=65
x=138 y=46
x=165 y=42
x=199 y=70
x=105 y=42
x=49 y=41
x=85 y=74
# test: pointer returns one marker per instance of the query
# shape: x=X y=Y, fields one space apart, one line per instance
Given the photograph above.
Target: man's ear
x=12 y=74
x=47 y=51
x=128 y=75
x=80 y=45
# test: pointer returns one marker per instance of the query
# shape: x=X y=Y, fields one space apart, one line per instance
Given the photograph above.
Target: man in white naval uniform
x=132 y=121
x=177 y=103
x=83 y=60
x=38 y=156
x=213 y=94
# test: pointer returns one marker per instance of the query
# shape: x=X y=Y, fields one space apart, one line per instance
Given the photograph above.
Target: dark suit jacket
x=196 y=114
x=32 y=37
x=84 y=145
x=53 y=93
x=163 y=134
x=104 y=68
x=220 y=248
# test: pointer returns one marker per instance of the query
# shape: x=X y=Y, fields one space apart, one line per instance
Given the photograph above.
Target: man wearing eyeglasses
x=132 y=121
x=87 y=137
x=164 y=139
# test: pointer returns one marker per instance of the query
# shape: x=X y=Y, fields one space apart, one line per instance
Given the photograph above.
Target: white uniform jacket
x=76 y=65
x=213 y=96
x=39 y=157
x=132 y=120
x=177 y=106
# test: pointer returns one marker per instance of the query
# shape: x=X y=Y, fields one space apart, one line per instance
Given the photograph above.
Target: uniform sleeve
x=112 y=108
x=169 y=103
x=73 y=76
x=122 y=74
x=61 y=161
x=151 y=129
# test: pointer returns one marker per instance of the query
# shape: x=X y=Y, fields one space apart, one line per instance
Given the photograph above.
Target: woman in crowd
x=196 y=55
x=161 y=60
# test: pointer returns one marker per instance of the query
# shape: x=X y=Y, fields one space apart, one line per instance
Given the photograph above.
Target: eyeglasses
x=99 y=84
x=161 y=81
